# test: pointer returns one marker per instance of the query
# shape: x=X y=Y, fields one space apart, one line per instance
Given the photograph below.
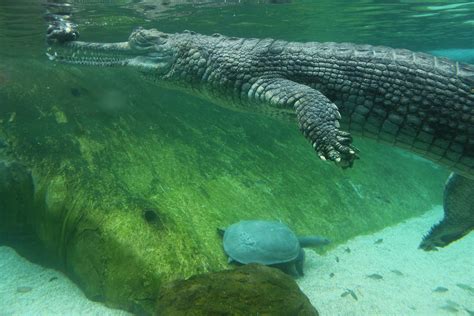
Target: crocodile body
x=412 y=100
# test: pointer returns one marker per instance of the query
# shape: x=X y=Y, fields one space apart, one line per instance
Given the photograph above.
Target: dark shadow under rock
x=247 y=290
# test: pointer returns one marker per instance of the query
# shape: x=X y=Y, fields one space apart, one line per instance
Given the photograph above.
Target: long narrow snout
x=93 y=54
x=111 y=54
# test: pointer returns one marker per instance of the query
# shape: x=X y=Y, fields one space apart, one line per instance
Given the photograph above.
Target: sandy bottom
x=404 y=279
x=29 y=289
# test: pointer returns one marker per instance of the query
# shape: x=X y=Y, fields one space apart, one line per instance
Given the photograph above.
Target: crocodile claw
x=338 y=149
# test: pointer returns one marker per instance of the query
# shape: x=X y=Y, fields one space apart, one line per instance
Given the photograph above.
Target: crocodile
x=413 y=100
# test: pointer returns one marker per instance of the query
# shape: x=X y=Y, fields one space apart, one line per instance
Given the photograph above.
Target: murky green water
x=416 y=25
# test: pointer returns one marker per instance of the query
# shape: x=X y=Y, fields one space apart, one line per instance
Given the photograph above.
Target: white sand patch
x=29 y=289
x=409 y=274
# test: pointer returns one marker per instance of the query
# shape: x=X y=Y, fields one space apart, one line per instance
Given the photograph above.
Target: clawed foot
x=61 y=31
x=337 y=147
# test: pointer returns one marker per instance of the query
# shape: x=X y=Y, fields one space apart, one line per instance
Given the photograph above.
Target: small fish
x=354 y=296
x=23 y=289
x=349 y=291
x=348 y=250
x=449 y=308
x=331 y=275
x=397 y=272
x=440 y=289
x=466 y=287
x=379 y=241
x=53 y=279
x=375 y=276
x=337 y=259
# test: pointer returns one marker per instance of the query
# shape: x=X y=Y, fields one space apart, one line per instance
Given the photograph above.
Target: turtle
x=268 y=243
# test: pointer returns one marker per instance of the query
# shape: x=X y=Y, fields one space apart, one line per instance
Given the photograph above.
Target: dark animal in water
x=268 y=243
x=416 y=101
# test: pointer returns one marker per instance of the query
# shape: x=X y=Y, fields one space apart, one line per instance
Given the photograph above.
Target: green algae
x=101 y=162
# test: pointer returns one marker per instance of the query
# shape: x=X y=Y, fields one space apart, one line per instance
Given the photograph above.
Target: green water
x=106 y=149
x=415 y=25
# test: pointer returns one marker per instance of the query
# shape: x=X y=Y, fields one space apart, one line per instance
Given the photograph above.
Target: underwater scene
x=285 y=157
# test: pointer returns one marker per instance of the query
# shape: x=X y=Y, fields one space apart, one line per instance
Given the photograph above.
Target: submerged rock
x=16 y=198
x=247 y=290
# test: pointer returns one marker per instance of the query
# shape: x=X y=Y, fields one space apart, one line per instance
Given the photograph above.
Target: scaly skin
x=458 y=214
x=413 y=100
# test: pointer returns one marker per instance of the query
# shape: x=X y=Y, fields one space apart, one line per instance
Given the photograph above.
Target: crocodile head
x=150 y=51
x=154 y=52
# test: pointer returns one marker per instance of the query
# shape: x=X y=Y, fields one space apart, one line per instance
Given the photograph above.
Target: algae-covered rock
x=16 y=199
x=127 y=195
x=248 y=290
x=16 y=206
x=16 y=188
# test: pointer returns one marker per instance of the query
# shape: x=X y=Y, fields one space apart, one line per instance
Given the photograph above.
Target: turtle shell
x=264 y=242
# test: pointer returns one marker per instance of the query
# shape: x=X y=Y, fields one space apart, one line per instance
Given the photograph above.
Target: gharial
x=413 y=100
x=268 y=243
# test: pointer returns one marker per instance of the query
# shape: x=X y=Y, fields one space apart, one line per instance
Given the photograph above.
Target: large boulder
x=247 y=290
x=16 y=205
x=16 y=197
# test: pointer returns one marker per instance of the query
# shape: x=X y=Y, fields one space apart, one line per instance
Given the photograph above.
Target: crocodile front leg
x=317 y=116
